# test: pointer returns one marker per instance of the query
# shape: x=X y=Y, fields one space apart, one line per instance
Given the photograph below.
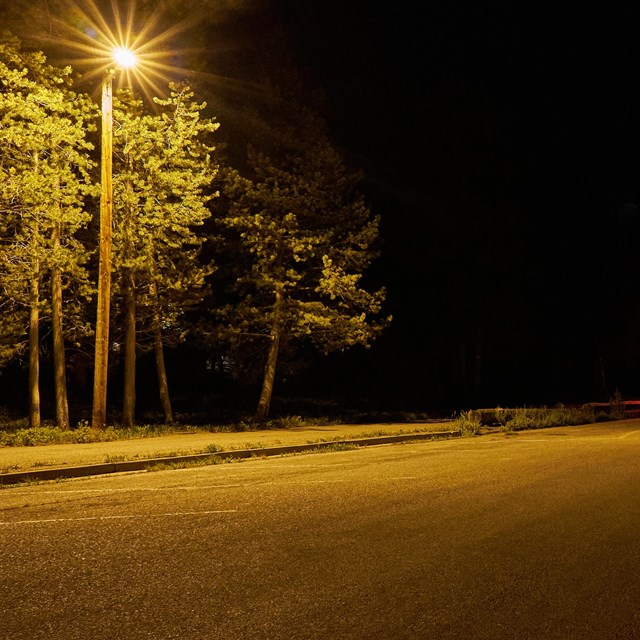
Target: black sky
x=500 y=146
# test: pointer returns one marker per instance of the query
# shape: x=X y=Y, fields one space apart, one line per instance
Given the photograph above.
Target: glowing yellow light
x=139 y=49
x=125 y=57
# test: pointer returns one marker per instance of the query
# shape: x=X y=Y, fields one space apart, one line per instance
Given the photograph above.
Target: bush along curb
x=17 y=477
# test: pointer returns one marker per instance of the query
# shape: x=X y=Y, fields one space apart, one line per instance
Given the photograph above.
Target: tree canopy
x=301 y=236
x=288 y=236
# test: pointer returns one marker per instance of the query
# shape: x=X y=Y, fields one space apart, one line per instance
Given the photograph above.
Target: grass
x=115 y=458
x=187 y=464
x=16 y=433
x=109 y=458
x=251 y=445
x=378 y=433
x=330 y=448
x=517 y=419
x=32 y=436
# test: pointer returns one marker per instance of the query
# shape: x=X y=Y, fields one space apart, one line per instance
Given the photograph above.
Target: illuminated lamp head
x=125 y=58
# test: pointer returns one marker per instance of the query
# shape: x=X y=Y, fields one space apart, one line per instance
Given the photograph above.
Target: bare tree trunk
x=163 y=384
x=158 y=348
x=34 y=347
x=129 y=292
x=129 y=392
x=59 y=363
x=262 y=412
x=34 y=324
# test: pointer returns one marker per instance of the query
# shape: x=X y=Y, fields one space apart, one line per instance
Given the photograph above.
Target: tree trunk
x=34 y=347
x=158 y=348
x=129 y=294
x=34 y=324
x=163 y=384
x=264 y=403
x=129 y=392
x=59 y=364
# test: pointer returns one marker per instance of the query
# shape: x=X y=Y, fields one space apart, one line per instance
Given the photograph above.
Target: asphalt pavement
x=525 y=536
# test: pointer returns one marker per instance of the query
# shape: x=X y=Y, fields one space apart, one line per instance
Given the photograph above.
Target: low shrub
x=468 y=422
x=32 y=436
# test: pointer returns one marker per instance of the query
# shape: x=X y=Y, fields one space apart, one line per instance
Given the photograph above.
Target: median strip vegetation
x=518 y=419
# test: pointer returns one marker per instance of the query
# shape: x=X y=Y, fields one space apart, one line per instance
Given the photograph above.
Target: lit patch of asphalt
x=131 y=516
x=524 y=438
x=128 y=489
x=311 y=482
x=273 y=465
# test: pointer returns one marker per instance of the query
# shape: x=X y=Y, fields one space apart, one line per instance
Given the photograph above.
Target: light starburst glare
x=142 y=51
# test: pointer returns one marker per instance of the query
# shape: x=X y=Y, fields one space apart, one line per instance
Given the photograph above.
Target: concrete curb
x=17 y=477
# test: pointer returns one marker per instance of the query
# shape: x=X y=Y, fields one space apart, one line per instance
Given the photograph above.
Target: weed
x=336 y=446
x=517 y=419
x=252 y=445
x=114 y=458
x=468 y=422
x=288 y=422
x=185 y=464
x=42 y=463
x=377 y=434
x=27 y=481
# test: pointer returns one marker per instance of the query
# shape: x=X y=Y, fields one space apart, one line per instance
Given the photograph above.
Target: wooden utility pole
x=99 y=412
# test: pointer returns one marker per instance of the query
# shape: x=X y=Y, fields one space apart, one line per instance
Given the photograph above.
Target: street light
x=123 y=58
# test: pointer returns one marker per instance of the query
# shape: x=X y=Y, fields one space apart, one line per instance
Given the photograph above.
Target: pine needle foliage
x=162 y=174
x=44 y=181
x=301 y=236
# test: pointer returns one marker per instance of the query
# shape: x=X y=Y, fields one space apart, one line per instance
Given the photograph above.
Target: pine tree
x=162 y=174
x=44 y=168
x=302 y=236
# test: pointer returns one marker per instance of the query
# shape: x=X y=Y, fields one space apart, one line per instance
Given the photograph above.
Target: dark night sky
x=500 y=146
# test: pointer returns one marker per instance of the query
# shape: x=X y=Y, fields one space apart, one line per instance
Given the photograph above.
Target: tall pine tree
x=301 y=236
x=162 y=173
x=44 y=165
